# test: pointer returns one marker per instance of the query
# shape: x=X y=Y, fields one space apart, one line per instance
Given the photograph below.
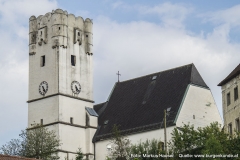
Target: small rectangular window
x=230 y=128
x=235 y=93
x=228 y=99
x=73 y=60
x=237 y=125
x=87 y=120
x=42 y=61
x=41 y=121
x=71 y=120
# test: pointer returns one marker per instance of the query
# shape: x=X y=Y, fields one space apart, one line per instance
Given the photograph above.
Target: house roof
x=98 y=108
x=233 y=74
x=7 y=157
x=138 y=104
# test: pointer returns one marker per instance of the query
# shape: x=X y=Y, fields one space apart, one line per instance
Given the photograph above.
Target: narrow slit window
x=41 y=121
x=71 y=120
x=228 y=99
x=237 y=125
x=87 y=120
x=78 y=33
x=235 y=93
x=73 y=60
x=59 y=28
x=43 y=61
x=193 y=116
x=86 y=35
x=230 y=128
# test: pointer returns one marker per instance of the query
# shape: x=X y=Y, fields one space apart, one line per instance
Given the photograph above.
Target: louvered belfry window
x=73 y=60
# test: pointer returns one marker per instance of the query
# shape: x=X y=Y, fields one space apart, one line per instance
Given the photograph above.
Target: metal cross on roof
x=118 y=75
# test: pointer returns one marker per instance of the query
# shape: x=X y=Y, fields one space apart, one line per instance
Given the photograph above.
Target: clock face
x=43 y=88
x=76 y=87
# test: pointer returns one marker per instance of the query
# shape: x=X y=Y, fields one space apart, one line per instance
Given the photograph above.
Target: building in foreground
x=60 y=80
x=61 y=92
x=230 y=101
x=138 y=105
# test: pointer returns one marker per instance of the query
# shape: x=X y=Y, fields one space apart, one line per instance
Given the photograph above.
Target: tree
x=209 y=140
x=184 y=141
x=79 y=155
x=149 y=147
x=37 y=142
x=120 y=145
x=212 y=147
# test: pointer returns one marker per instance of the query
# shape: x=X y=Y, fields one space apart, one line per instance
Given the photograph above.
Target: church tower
x=61 y=80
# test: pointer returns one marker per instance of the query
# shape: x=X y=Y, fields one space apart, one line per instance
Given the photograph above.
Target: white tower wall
x=58 y=36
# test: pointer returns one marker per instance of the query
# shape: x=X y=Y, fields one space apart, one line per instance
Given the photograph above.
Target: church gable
x=138 y=104
x=198 y=108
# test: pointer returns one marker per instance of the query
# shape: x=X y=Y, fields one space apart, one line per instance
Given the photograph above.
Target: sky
x=136 y=37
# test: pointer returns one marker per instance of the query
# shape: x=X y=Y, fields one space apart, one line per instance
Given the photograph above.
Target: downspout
x=94 y=150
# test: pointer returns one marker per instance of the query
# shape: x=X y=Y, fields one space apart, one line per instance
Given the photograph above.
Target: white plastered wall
x=74 y=136
x=69 y=107
x=46 y=109
x=101 y=146
x=200 y=103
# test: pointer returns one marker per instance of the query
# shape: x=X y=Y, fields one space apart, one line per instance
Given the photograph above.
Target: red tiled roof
x=7 y=157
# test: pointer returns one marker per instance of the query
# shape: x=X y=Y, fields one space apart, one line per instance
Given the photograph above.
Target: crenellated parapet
x=59 y=29
x=89 y=36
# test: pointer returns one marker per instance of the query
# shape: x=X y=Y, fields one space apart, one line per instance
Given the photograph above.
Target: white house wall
x=101 y=146
x=200 y=103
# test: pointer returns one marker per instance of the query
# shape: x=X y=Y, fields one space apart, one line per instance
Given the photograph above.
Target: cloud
x=14 y=16
x=141 y=47
x=228 y=16
x=118 y=4
x=170 y=14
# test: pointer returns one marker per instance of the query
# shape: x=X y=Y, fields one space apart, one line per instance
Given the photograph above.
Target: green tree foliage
x=234 y=144
x=149 y=147
x=79 y=155
x=212 y=147
x=184 y=141
x=37 y=142
x=120 y=145
x=210 y=140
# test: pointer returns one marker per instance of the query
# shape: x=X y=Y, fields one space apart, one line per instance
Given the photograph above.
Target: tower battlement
x=60 y=29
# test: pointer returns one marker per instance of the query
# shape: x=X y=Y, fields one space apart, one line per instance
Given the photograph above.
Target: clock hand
x=76 y=88
x=43 y=89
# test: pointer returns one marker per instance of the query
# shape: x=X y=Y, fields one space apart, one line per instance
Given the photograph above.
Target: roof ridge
x=230 y=76
x=191 y=76
x=156 y=73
